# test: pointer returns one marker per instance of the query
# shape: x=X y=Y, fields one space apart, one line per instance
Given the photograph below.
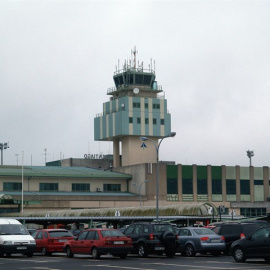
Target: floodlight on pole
x=250 y=154
x=3 y=146
x=143 y=139
x=139 y=188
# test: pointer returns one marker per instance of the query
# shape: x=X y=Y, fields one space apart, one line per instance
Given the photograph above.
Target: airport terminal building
x=137 y=109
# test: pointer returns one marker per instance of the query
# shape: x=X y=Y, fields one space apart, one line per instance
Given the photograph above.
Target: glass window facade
x=12 y=186
x=202 y=180
x=253 y=212
x=82 y=187
x=187 y=179
x=111 y=187
x=230 y=186
x=48 y=186
x=244 y=187
x=172 y=179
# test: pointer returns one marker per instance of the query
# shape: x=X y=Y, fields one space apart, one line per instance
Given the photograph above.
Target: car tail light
x=204 y=239
x=151 y=236
x=129 y=241
x=222 y=238
x=242 y=236
x=107 y=242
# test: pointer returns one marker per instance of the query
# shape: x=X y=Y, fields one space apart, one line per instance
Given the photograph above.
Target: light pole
x=143 y=139
x=250 y=154
x=2 y=147
x=140 y=187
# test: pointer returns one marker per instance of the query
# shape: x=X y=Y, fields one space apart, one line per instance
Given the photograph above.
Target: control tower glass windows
x=154 y=121
x=131 y=120
x=162 y=121
x=136 y=105
x=138 y=120
x=146 y=105
x=146 y=121
x=156 y=106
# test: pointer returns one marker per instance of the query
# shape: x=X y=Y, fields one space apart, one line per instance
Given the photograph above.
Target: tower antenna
x=134 y=57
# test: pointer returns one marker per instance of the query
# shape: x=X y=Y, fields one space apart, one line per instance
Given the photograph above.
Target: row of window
x=76 y=187
x=187 y=186
x=138 y=105
x=146 y=121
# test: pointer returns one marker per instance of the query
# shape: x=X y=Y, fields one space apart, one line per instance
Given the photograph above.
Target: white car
x=14 y=238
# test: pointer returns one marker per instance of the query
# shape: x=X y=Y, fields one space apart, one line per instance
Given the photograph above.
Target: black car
x=233 y=231
x=256 y=245
x=152 y=238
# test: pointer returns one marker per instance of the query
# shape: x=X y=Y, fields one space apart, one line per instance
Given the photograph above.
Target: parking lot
x=59 y=261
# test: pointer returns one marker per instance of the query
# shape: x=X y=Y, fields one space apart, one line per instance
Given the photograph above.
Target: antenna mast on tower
x=134 y=57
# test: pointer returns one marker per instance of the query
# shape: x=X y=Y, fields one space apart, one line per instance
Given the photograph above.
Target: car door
x=78 y=244
x=257 y=243
x=129 y=232
x=39 y=241
x=90 y=241
x=183 y=237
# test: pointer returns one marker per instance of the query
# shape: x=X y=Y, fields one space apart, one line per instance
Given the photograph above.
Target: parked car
x=152 y=238
x=49 y=241
x=99 y=241
x=256 y=245
x=14 y=238
x=192 y=240
x=235 y=230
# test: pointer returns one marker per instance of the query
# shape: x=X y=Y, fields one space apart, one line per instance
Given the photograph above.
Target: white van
x=14 y=238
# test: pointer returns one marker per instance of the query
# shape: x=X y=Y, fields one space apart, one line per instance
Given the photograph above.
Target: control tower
x=137 y=107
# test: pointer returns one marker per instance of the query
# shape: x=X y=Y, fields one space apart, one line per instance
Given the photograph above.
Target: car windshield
x=59 y=234
x=13 y=229
x=108 y=233
x=162 y=228
x=203 y=231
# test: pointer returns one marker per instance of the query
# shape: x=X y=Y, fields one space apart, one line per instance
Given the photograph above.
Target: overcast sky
x=212 y=58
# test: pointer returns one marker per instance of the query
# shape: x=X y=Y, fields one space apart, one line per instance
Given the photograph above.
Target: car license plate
x=119 y=242
x=21 y=248
x=215 y=241
x=159 y=248
x=62 y=240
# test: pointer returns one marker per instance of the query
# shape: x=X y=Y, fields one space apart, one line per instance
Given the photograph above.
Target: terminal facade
x=136 y=108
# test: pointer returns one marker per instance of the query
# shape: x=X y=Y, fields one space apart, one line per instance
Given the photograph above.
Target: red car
x=49 y=241
x=97 y=242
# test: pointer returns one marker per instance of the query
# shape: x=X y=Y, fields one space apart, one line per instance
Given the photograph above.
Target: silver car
x=192 y=240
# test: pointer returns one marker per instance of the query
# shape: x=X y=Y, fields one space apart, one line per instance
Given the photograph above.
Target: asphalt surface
x=61 y=262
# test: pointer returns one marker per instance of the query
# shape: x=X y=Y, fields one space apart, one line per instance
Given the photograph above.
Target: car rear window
x=203 y=231
x=58 y=234
x=109 y=233
x=162 y=228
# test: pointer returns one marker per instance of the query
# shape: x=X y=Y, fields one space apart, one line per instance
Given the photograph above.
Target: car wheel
x=69 y=252
x=95 y=253
x=238 y=254
x=44 y=252
x=190 y=250
x=142 y=252
x=123 y=256
x=29 y=255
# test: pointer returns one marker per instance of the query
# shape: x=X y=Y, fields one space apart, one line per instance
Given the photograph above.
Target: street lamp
x=250 y=154
x=140 y=187
x=2 y=147
x=143 y=139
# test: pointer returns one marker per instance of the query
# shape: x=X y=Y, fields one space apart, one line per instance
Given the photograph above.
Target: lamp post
x=140 y=187
x=143 y=139
x=250 y=154
x=2 y=147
